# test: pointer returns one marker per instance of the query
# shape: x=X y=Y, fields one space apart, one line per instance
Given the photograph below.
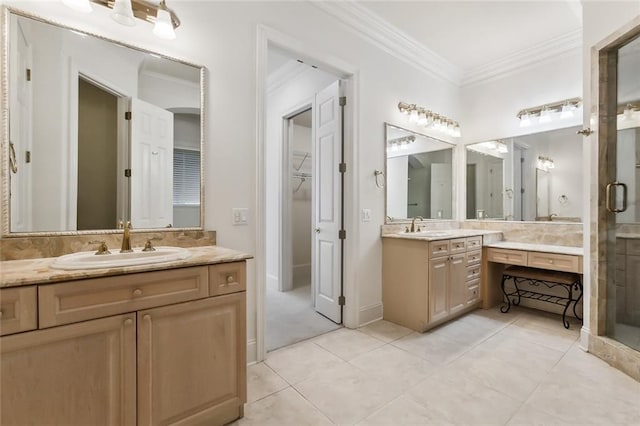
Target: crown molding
x=523 y=58
x=390 y=39
x=285 y=74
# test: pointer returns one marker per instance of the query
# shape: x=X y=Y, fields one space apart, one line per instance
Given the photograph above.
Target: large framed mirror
x=99 y=133
x=533 y=177
x=419 y=175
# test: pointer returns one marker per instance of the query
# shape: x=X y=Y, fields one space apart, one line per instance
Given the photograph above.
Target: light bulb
x=164 y=26
x=628 y=113
x=413 y=115
x=502 y=148
x=422 y=118
x=545 y=115
x=79 y=5
x=567 y=110
x=456 y=130
x=123 y=13
x=525 y=120
x=550 y=164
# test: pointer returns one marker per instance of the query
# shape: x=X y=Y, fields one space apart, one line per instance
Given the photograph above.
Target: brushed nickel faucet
x=413 y=223
x=126 y=239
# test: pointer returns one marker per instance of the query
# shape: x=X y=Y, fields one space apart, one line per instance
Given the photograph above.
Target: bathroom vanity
x=147 y=344
x=427 y=279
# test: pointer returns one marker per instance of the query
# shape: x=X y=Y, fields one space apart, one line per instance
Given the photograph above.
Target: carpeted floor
x=291 y=318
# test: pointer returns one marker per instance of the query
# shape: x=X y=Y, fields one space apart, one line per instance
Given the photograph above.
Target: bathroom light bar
x=401 y=143
x=430 y=119
x=546 y=113
x=164 y=19
x=545 y=163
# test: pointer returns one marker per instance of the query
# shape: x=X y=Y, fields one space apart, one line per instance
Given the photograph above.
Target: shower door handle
x=611 y=204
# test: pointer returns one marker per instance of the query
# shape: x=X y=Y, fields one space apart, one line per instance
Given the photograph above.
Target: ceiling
x=471 y=34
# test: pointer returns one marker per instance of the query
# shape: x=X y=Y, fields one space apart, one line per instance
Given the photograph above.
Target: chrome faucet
x=126 y=239
x=413 y=223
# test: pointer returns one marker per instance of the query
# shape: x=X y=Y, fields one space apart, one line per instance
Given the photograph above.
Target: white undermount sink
x=433 y=234
x=91 y=260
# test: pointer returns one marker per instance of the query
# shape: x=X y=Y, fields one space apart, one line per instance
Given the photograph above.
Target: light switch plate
x=240 y=216
x=366 y=215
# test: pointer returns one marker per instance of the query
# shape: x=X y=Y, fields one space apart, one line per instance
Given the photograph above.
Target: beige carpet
x=291 y=318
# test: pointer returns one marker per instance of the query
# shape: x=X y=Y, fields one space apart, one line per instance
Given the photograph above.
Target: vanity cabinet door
x=457 y=283
x=192 y=362
x=438 y=288
x=78 y=374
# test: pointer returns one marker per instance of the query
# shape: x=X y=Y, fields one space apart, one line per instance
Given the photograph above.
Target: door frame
x=350 y=75
x=285 y=273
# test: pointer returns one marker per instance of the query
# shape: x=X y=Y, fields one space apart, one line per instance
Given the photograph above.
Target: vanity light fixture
x=124 y=11
x=545 y=163
x=401 y=143
x=546 y=113
x=430 y=119
x=627 y=114
x=502 y=147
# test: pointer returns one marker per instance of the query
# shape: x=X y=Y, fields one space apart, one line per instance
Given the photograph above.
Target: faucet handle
x=128 y=225
x=148 y=246
x=102 y=248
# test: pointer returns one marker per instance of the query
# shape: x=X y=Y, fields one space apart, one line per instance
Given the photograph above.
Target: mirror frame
x=454 y=177
x=5 y=212
x=464 y=194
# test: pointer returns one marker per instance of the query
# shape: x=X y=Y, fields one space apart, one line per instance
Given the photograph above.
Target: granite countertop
x=15 y=273
x=446 y=234
x=628 y=236
x=546 y=248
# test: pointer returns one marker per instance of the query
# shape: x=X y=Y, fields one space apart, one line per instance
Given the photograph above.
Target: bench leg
x=578 y=286
x=504 y=309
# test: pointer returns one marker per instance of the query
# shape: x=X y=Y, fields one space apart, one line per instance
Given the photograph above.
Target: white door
x=151 y=165
x=327 y=208
x=495 y=185
x=20 y=137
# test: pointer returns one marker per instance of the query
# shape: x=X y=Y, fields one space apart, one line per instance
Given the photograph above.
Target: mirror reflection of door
x=542 y=195
x=471 y=190
x=97 y=157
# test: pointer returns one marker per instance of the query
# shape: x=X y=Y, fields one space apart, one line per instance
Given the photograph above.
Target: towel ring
x=377 y=173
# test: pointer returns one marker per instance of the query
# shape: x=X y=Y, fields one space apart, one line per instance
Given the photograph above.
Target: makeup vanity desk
x=497 y=256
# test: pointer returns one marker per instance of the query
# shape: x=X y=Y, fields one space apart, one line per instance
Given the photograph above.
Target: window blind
x=186 y=177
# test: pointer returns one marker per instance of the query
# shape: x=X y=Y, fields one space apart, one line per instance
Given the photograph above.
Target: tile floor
x=486 y=368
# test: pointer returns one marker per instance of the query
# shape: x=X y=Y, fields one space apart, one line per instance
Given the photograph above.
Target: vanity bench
x=534 y=264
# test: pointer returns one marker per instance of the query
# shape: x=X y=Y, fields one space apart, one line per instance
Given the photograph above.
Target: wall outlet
x=240 y=216
x=366 y=215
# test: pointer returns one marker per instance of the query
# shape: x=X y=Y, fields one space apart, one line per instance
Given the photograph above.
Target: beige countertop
x=629 y=236
x=546 y=248
x=446 y=234
x=15 y=273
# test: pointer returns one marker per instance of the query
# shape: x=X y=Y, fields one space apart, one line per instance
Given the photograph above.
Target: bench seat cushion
x=559 y=277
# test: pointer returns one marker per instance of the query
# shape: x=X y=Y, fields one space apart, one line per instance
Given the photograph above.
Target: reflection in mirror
x=103 y=133
x=533 y=177
x=419 y=175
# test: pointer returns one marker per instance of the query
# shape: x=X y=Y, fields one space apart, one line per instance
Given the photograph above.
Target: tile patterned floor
x=486 y=368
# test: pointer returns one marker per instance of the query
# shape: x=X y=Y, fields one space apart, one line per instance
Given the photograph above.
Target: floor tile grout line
x=314 y=405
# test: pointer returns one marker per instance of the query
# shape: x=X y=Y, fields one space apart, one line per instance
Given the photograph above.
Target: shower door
x=622 y=195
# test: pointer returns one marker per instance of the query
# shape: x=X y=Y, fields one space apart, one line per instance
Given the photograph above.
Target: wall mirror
x=536 y=177
x=419 y=175
x=99 y=133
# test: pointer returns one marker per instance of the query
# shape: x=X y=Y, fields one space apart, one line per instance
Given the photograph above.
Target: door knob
x=317 y=230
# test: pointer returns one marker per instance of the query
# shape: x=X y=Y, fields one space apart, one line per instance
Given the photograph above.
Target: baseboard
x=272 y=282
x=616 y=354
x=252 y=351
x=369 y=314
x=301 y=274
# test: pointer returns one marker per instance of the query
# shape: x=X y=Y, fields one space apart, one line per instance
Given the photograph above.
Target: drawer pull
x=0 y=313
x=439 y=248
x=128 y=321
x=137 y=292
x=551 y=261
x=230 y=278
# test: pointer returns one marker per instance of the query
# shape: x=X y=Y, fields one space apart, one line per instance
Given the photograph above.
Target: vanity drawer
x=512 y=257
x=459 y=245
x=100 y=297
x=438 y=248
x=474 y=243
x=18 y=310
x=473 y=294
x=473 y=272
x=225 y=278
x=472 y=283
x=556 y=262
x=474 y=257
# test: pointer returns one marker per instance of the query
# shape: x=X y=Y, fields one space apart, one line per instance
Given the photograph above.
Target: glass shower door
x=623 y=206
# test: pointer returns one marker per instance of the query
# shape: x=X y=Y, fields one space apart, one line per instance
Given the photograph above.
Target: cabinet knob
x=229 y=278
x=128 y=321
x=550 y=261
x=0 y=313
x=137 y=292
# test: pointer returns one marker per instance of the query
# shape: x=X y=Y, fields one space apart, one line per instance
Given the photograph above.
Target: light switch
x=240 y=216
x=366 y=215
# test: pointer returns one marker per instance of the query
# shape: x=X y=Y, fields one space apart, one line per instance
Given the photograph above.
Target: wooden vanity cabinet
x=174 y=362
x=427 y=283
